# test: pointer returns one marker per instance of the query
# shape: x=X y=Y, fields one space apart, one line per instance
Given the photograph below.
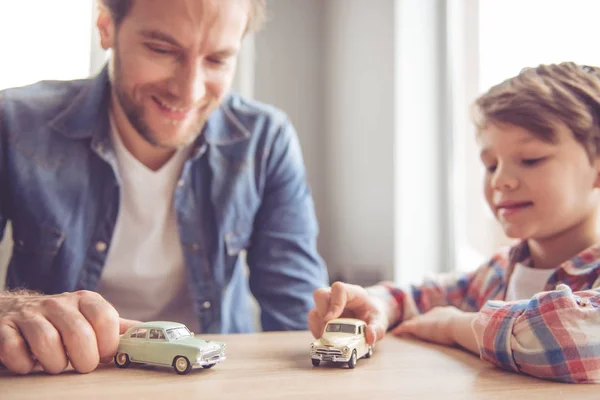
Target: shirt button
x=180 y=183
x=583 y=302
x=101 y=247
x=206 y=305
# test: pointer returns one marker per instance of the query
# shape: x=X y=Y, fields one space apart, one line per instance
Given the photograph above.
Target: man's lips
x=170 y=111
x=507 y=208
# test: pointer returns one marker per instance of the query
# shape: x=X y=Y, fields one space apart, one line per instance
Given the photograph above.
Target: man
x=134 y=193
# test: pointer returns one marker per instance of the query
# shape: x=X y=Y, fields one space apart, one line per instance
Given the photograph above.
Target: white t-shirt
x=526 y=281
x=144 y=276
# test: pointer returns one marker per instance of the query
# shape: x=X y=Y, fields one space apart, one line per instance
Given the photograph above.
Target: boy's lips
x=507 y=208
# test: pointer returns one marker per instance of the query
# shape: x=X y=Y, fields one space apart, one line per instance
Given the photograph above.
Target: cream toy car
x=169 y=344
x=344 y=340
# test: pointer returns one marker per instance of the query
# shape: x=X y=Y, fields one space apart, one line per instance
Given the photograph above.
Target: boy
x=533 y=308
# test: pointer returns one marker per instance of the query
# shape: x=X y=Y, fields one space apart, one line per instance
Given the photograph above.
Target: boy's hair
x=539 y=99
x=119 y=9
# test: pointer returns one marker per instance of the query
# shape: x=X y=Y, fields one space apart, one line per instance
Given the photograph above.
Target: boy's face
x=537 y=189
x=173 y=62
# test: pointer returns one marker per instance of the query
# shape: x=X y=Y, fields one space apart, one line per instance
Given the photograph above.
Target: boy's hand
x=443 y=325
x=352 y=301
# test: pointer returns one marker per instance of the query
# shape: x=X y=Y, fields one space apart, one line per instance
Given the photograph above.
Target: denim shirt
x=243 y=188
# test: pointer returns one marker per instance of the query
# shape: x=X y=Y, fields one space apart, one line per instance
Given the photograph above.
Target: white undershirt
x=526 y=281
x=144 y=276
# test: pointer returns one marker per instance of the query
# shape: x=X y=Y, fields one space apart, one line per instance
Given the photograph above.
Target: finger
x=322 y=297
x=315 y=323
x=375 y=331
x=44 y=343
x=337 y=300
x=104 y=320
x=14 y=353
x=77 y=334
x=346 y=297
x=409 y=327
x=125 y=324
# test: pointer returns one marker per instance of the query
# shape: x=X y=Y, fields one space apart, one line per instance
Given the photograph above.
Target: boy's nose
x=503 y=180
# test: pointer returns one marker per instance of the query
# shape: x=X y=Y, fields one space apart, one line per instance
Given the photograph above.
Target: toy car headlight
x=346 y=350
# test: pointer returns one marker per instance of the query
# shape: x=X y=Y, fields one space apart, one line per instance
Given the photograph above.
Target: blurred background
x=379 y=92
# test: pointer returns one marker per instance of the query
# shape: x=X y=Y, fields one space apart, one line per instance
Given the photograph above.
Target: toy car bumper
x=328 y=357
x=204 y=361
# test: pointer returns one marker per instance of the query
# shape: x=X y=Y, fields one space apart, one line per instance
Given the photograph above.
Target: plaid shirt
x=554 y=335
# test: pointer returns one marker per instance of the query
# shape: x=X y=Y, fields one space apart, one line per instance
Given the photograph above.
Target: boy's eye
x=532 y=161
x=490 y=168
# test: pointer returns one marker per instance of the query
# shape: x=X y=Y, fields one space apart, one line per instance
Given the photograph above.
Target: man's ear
x=106 y=27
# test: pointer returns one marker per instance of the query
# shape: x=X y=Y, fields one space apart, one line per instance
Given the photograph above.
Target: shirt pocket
x=34 y=252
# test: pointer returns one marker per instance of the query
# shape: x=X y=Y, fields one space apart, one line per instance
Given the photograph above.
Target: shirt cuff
x=493 y=328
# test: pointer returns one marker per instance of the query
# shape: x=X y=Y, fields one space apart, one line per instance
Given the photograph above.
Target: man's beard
x=135 y=113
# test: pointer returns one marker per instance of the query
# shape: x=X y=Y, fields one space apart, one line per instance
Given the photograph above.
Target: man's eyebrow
x=231 y=51
x=158 y=35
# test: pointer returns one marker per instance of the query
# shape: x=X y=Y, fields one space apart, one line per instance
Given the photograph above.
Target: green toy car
x=168 y=344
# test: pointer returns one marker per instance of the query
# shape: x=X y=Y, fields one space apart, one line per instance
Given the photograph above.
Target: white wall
x=359 y=138
x=330 y=66
x=289 y=73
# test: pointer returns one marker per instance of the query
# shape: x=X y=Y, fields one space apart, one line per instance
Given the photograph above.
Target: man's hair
x=119 y=9
x=540 y=99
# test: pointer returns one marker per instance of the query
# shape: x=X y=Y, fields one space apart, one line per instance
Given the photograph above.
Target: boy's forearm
x=462 y=332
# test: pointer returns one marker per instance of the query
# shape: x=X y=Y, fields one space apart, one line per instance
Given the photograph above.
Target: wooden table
x=277 y=366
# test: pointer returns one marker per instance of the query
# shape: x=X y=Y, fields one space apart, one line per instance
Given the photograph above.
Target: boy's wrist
x=462 y=332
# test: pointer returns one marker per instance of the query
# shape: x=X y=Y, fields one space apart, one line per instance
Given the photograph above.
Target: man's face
x=537 y=189
x=173 y=62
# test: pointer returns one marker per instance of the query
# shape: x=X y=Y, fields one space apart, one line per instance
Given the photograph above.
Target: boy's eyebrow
x=158 y=35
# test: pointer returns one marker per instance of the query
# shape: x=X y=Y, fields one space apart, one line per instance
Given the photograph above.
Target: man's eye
x=216 y=61
x=159 y=50
x=532 y=161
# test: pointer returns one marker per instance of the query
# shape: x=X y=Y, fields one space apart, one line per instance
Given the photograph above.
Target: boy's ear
x=597 y=167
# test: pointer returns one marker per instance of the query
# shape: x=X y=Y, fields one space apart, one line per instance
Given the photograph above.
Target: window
x=541 y=31
x=499 y=39
x=156 y=334
x=42 y=39
x=140 y=333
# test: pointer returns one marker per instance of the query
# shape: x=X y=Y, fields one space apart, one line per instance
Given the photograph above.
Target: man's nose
x=190 y=83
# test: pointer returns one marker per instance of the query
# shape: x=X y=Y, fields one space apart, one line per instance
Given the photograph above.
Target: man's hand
x=81 y=328
x=443 y=325
x=352 y=301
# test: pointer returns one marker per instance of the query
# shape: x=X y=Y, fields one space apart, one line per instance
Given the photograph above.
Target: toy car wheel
x=182 y=365
x=369 y=352
x=122 y=360
x=207 y=366
x=352 y=360
x=316 y=362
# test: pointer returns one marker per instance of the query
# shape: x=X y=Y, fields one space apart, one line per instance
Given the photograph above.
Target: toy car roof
x=351 y=321
x=158 y=324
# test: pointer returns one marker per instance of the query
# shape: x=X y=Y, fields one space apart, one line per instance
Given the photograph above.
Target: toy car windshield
x=178 y=333
x=343 y=328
